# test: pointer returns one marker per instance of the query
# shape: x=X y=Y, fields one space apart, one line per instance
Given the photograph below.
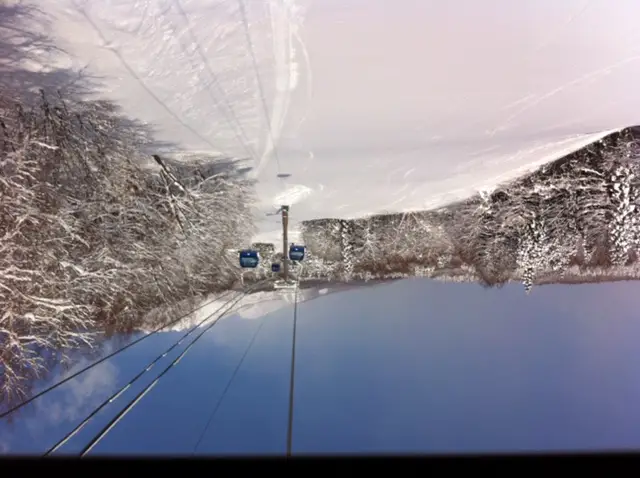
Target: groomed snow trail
x=370 y=105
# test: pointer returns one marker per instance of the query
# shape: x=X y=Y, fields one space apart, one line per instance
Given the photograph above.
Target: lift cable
x=106 y=357
x=226 y=388
x=245 y=23
x=293 y=364
x=119 y=392
x=242 y=137
x=120 y=415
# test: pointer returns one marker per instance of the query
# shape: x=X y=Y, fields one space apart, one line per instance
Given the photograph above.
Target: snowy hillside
x=370 y=106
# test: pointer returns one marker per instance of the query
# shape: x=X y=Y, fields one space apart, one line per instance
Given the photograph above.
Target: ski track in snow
x=412 y=107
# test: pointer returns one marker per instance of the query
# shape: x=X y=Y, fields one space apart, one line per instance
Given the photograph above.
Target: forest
x=574 y=220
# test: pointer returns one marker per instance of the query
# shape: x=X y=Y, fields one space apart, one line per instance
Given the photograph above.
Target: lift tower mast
x=285 y=242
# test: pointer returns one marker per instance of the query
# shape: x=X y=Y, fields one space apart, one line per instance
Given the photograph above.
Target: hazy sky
x=415 y=365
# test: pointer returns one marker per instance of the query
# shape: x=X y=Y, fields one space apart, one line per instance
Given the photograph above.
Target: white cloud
x=66 y=405
x=77 y=398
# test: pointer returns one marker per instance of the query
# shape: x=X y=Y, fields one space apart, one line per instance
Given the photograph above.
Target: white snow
x=370 y=105
x=204 y=316
x=251 y=306
x=256 y=305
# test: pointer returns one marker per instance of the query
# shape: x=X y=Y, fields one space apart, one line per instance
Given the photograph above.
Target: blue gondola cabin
x=275 y=267
x=296 y=253
x=249 y=259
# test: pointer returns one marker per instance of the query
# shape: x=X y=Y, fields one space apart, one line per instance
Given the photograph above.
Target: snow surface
x=372 y=105
x=253 y=306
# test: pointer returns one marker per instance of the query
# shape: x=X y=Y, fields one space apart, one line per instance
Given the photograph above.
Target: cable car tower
x=293 y=253
x=285 y=240
x=284 y=284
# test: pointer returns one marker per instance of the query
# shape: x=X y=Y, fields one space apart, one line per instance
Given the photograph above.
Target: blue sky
x=412 y=366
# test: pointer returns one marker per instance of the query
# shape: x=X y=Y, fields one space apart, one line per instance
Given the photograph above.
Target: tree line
x=574 y=218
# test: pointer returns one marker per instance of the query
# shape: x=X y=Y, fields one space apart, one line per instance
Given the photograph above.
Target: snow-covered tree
x=623 y=228
x=347 y=248
x=370 y=244
x=576 y=213
x=267 y=254
x=314 y=267
x=93 y=238
x=530 y=253
x=323 y=238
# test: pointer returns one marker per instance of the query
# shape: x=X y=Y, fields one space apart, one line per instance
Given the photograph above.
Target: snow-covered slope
x=255 y=306
x=251 y=306
x=372 y=105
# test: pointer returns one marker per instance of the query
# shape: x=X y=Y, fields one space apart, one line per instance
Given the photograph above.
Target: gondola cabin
x=275 y=267
x=296 y=253
x=249 y=259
